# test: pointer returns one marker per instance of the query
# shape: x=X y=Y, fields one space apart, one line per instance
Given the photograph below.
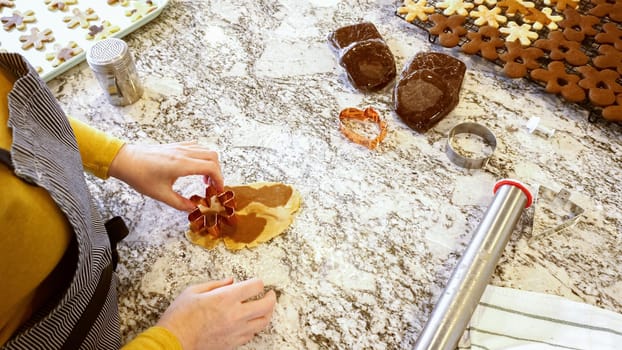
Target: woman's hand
x=153 y=169
x=219 y=314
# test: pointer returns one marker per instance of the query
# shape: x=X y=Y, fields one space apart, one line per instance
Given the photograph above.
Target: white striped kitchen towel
x=509 y=318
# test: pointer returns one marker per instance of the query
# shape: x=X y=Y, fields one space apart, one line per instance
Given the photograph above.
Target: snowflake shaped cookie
x=454 y=6
x=521 y=33
x=80 y=17
x=63 y=53
x=539 y=19
x=103 y=31
x=36 y=38
x=485 y=16
x=140 y=10
x=60 y=5
x=415 y=10
x=512 y=7
x=18 y=20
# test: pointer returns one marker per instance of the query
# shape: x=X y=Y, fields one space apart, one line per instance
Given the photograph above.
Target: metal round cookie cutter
x=475 y=129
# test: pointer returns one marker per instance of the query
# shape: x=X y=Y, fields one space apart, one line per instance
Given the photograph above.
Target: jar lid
x=108 y=54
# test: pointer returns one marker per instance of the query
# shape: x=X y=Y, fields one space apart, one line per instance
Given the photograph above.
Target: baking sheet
x=118 y=19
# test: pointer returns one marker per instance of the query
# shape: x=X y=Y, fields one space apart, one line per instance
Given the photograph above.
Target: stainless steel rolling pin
x=467 y=283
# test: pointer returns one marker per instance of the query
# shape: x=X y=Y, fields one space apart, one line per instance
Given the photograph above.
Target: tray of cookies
x=55 y=35
x=572 y=48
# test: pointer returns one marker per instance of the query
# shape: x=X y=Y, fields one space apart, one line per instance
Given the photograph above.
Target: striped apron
x=44 y=153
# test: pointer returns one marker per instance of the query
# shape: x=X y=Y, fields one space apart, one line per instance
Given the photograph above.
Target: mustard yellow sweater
x=28 y=254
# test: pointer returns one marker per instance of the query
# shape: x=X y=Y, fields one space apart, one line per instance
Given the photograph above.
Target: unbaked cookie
x=121 y=2
x=63 y=53
x=83 y=18
x=60 y=5
x=36 y=38
x=18 y=20
x=261 y=211
x=6 y=3
x=103 y=31
x=140 y=9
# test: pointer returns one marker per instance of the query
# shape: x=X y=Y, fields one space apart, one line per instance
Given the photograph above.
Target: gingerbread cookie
x=521 y=33
x=103 y=31
x=561 y=49
x=141 y=9
x=18 y=20
x=576 y=26
x=519 y=60
x=609 y=57
x=610 y=34
x=512 y=7
x=601 y=85
x=448 y=29
x=613 y=113
x=558 y=81
x=80 y=17
x=561 y=5
x=36 y=38
x=451 y=7
x=60 y=5
x=63 y=53
x=606 y=8
x=485 y=16
x=485 y=41
x=541 y=18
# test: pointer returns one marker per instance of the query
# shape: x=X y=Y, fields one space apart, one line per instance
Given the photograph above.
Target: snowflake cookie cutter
x=212 y=212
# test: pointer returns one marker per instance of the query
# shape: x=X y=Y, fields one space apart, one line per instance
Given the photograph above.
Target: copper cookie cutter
x=210 y=222
x=470 y=128
x=368 y=114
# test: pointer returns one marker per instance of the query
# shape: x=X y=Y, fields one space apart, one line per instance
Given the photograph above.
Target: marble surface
x=380 y=231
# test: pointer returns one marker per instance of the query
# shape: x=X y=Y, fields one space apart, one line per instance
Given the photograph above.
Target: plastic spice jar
x=113 y=65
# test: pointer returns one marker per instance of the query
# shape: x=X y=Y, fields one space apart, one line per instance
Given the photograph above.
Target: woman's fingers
x=211 y=285
x=260 y=308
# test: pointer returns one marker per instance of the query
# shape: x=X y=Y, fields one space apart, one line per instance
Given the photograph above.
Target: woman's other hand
x=153 y=169
x=219 y=314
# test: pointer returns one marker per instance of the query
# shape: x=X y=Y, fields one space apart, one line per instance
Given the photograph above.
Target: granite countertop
x=380 y=231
